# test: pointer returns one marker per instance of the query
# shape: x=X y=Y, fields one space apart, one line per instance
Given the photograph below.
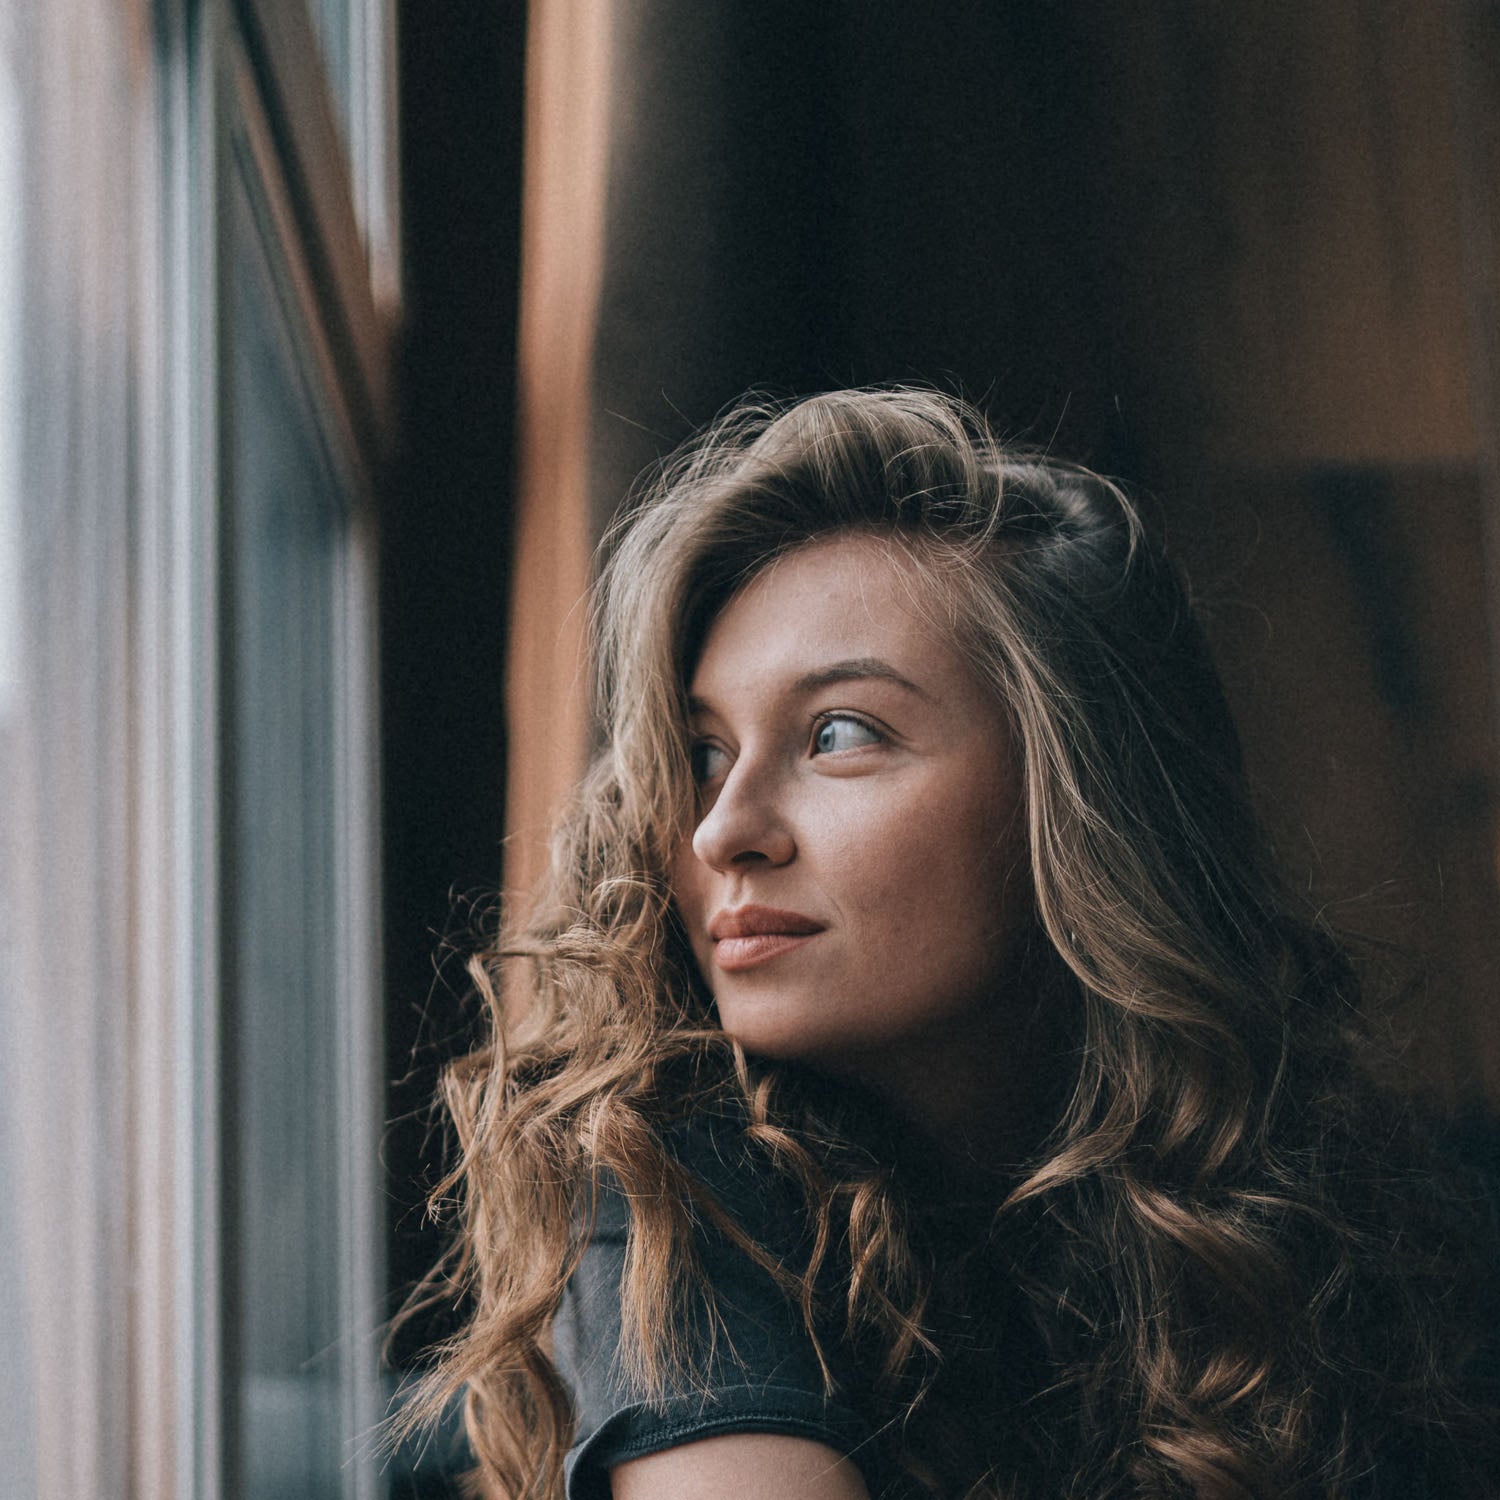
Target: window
x=300 y=1115
x=192 y=376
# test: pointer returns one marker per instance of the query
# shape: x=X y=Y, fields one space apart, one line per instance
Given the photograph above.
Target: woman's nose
x=745 y=826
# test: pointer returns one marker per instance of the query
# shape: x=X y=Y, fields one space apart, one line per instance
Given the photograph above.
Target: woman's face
x=857 y=875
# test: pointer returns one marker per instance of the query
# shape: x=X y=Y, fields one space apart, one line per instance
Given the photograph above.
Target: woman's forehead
x=824 y=608
x=889 y=564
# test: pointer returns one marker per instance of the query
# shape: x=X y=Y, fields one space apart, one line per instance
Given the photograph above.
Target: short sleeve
x=759 y=1374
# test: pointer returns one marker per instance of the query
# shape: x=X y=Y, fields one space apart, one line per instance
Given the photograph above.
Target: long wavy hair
x=1237 y=1276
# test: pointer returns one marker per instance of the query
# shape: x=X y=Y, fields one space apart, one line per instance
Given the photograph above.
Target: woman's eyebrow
x=853 y=670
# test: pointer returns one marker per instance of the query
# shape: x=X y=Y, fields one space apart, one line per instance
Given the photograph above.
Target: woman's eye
x=840 y=732
x=708 y=760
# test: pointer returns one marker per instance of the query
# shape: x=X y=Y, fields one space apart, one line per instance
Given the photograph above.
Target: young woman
x=916 y=1080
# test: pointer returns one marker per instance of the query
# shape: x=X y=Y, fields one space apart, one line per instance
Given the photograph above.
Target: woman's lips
x=731 y=954
x=752 y=935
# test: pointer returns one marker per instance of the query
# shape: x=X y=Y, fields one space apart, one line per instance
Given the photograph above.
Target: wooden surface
x=563 y=204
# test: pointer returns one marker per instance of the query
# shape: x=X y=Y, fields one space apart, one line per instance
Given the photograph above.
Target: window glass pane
x=284 y=536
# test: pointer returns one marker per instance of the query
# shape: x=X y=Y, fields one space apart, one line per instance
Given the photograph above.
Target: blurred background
x=331 y=333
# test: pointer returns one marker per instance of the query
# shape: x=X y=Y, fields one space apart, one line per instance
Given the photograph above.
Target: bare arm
x=745 y=1465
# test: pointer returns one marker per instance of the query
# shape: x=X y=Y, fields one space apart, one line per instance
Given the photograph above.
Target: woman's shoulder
x=749 y=1363
x=725 y=1174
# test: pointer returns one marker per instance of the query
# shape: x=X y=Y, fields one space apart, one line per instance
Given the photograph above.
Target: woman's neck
x=979 y=1098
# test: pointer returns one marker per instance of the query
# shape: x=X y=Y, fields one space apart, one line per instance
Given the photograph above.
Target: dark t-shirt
x=761 y=1373
x=756 y=1369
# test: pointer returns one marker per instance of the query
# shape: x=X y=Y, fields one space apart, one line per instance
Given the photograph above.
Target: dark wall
x=812 y=196
x=445 y=570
